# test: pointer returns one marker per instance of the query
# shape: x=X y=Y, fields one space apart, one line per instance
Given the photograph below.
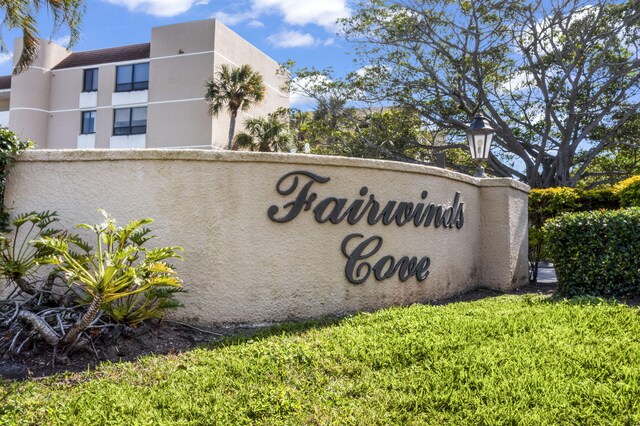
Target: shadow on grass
x=241 y=334
x=543 y=289
x=293 y=327
x=590 y=300
x=549 y=291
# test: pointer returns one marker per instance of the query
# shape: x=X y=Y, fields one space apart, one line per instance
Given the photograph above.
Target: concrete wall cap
x=64 y=155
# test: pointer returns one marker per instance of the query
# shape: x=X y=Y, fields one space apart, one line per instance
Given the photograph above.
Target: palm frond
x=237 y=88
x=21 y=14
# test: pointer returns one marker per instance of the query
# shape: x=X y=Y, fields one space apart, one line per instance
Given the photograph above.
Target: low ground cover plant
x=505 y=360
x=596 y=253
x=89 y=288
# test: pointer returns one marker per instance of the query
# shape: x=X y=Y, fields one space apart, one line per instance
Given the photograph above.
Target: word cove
x=359 y=250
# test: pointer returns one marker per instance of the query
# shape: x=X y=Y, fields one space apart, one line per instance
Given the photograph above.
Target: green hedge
x=596 y=253
x=545 y=204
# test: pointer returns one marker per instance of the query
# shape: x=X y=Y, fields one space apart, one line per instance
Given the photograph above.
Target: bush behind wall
x=545 y=204
x=628 y=192
x=596 y=253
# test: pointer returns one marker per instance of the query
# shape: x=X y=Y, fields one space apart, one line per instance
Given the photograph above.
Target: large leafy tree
x=347 y=122
x=21 y=14
x=619 y=161
x=558 y=78
x=237 y=89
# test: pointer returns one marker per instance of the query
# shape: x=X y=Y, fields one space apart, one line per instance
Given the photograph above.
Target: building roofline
x=108 y=55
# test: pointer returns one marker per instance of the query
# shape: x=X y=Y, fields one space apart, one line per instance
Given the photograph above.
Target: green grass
x=512 y=359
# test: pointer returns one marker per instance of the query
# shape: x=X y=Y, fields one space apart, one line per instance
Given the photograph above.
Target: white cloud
x=62 y=41
x=163 y=8
x=230 y=19
x=255 y=24
x=362 y=72
x=6 y=57
x=292 y=39
x=324 y=13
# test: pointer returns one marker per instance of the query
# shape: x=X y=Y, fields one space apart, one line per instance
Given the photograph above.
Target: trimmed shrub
x=548 y=203
x=596 y=199
x=545 y=204
x=596 y=253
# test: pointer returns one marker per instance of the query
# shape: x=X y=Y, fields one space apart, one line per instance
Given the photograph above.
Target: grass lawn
x=511 y=359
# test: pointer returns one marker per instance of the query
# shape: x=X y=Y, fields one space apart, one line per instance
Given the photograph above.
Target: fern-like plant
x=18 y=256
x=121 y=276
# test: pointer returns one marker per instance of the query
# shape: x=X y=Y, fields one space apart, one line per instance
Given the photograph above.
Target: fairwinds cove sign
x=361 y=251
x=277 y=237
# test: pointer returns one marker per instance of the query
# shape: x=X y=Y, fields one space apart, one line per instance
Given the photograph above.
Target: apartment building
x=147 y=95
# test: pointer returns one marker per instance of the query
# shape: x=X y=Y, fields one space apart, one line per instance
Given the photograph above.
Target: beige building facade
x=147 y=95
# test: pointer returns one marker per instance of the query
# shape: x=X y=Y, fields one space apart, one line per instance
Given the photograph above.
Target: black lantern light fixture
x=480 y=134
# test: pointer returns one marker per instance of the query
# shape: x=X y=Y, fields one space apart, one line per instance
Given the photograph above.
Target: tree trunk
x=83 y=322
x=40 y=326
x=24 y=285
x=232 y=129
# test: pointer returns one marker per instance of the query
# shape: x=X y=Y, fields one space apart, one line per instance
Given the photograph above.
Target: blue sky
x=301 y=30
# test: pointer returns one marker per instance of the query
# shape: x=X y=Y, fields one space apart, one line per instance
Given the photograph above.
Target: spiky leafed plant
x=237 y=89
x=18 y=256
x=22 y=14
x=119 y=267
x=264 y=135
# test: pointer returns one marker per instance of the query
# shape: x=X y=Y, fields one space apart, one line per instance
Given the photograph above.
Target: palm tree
x=299 y=122
x=236 y=88
x=21 y=14
x=264 y=135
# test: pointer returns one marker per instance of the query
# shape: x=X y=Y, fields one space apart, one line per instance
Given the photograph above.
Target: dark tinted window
x=130 y=121
x=88 y=122
x=140 y=76
x=90 y=82
x=132 y=77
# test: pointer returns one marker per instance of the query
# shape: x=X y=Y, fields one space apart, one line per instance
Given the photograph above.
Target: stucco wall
x=241 y=266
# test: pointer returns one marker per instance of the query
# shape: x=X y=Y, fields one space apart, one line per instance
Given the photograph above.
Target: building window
x=88 y=122
x=90 y=83
x=132 y=77
x=130 y=121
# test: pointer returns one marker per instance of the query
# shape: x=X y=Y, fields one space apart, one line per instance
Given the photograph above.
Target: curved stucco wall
x=242 y=266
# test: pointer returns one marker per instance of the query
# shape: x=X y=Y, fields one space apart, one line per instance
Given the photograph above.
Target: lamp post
x=480 y=135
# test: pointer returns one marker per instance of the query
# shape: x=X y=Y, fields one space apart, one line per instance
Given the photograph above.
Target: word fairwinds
x=299 y=186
